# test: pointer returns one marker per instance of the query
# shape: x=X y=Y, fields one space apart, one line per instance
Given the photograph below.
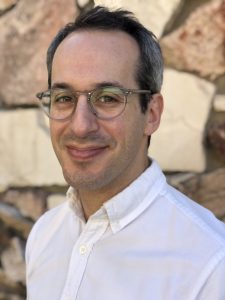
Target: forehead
x=118 y=42
x=96 y=53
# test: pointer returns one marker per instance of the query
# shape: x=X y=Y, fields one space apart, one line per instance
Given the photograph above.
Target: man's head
x=149 y=73
x=98 y=154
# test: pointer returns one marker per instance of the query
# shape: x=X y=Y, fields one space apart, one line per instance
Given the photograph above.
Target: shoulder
x=46 y=226
x=195 y=235
x=198 y=219
x=50 y=216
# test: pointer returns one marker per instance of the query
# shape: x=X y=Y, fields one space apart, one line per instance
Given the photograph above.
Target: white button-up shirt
x=147 y=242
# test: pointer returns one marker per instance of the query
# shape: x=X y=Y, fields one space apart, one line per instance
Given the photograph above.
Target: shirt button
x=83 y=249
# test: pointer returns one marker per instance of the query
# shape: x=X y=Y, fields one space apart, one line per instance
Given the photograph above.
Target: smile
x=85 y=153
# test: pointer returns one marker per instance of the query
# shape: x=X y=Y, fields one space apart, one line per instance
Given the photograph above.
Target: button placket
x=79 y=256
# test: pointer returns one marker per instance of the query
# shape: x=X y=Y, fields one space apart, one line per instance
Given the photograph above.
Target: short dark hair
x=150 y=69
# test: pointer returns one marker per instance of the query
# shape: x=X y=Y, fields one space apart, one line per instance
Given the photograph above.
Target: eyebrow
x=109 y=83
x=64 y=85
x=61 y=85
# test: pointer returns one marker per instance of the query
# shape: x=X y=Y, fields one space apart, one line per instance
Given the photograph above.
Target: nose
x=83 y=121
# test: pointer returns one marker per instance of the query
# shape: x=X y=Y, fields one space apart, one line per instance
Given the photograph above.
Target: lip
x=85 y=153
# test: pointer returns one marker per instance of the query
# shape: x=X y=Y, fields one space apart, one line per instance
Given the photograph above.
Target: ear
x=153 y=113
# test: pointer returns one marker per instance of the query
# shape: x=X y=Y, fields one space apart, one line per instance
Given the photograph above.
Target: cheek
x=53 y=131
x=123 y=135
x=116 y=129
x=56 y=130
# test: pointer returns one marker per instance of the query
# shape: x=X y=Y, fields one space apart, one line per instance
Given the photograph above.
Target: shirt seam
x=194 y=217
x=207 y=271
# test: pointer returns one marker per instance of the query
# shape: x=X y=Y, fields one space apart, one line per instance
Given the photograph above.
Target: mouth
x=85 y=153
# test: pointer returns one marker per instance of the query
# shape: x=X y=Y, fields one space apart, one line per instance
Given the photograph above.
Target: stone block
x=31 y=202
x=216 y=137
x=198 y=45
x=6 y=4
x=82 y=3
x=55 y=200
x=219 y=103
x=153 y=14
x=26 y=32
x=27 y=157
x=10 y=290
x=12 y=260
x=178 y=143
x=12 y=218
x=207 y=189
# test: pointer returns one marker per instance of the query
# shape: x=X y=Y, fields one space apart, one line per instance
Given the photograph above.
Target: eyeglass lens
x=105 y=103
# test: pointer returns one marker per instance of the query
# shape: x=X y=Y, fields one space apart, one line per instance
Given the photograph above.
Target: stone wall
x=190 y=145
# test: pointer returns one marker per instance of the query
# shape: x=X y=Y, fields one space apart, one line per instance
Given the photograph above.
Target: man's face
x=96 y=154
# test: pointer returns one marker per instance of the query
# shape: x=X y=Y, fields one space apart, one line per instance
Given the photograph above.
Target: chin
x=84 y=180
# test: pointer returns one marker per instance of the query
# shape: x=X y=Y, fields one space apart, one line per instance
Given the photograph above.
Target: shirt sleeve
x=214 y=287
x=32 y=245
x=28 y=250
x=31 y=240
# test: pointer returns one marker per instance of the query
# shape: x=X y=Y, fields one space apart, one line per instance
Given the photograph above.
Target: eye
x=62 y=98
x=108 y=97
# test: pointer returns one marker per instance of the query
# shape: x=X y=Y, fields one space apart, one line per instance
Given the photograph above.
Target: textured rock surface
x=12 y=260
x=207 y=189
x=55 y=200
x=178 y=144
x=219 y=103
x=10 y=290
x=27 y=157
x=198 y=46
x=30 y=202
x=6 y=4
x=153 y=14
x=82 y=3
x=23 y=46
x=216 y=137
x=12 y=218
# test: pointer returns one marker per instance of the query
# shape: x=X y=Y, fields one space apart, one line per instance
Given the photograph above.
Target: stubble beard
x=82 y=177
x=111 y=174
x=110 y=177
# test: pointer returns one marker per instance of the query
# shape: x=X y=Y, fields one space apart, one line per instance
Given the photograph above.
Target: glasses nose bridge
x=87 y=94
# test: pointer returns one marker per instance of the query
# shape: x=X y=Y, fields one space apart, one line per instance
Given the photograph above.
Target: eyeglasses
x=105 y=103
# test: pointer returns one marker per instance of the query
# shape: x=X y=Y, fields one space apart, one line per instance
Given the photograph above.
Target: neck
x=92 y=201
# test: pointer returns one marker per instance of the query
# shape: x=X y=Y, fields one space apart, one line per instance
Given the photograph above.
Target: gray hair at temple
x=149 y=74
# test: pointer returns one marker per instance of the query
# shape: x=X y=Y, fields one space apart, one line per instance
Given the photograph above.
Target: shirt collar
x=127 y=205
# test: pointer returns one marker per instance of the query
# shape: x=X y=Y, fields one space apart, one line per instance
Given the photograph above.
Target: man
x=123 y=232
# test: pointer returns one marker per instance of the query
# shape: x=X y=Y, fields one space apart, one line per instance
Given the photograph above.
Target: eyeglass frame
x=126 y=93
